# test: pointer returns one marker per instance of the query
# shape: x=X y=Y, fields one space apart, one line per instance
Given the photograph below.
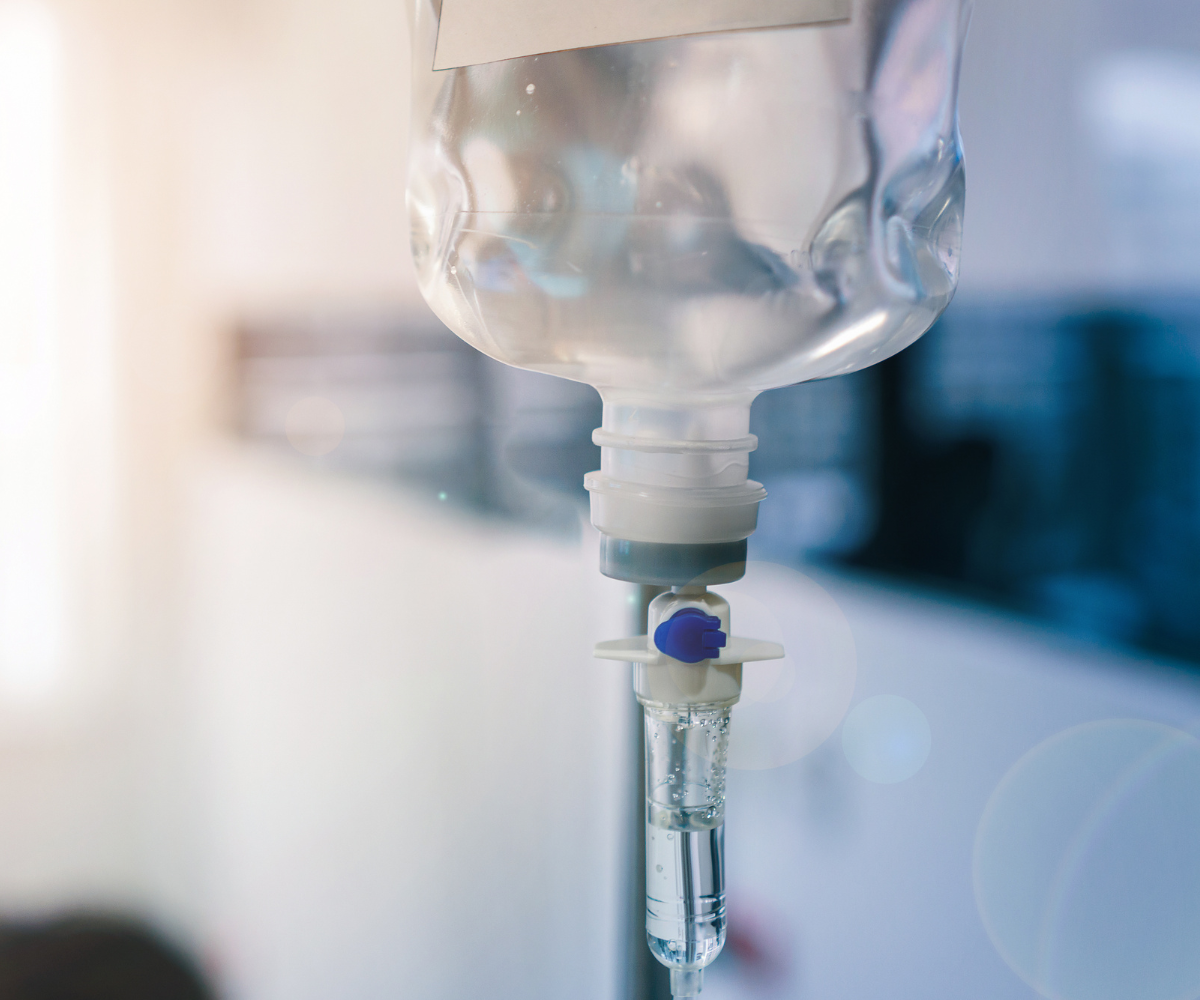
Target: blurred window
x=1046 y=454
x=32 y=587
x=1143 y=113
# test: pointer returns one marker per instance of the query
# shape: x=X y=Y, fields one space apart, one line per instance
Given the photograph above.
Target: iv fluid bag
x=697 y=217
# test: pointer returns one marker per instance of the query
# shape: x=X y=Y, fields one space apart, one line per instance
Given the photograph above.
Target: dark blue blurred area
x=1039 y=454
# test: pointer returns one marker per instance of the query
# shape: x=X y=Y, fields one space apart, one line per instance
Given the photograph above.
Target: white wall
x=296 y=138
x=415 y=775
x=219 y=157
x=1035 y=219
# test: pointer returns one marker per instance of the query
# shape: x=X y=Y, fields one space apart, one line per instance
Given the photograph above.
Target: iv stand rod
x=646 y=978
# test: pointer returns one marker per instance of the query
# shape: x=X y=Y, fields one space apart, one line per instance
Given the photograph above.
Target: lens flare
x=789 y=707
x=1087 y=864
x=886 y=739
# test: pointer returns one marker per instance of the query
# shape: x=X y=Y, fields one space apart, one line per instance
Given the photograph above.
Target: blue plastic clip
x=690 y=636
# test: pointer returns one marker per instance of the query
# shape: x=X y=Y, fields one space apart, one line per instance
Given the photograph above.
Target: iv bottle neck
x=675 y=475
x=685 y=449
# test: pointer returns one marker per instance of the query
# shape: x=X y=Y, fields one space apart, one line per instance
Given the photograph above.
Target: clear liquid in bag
x=696 y=216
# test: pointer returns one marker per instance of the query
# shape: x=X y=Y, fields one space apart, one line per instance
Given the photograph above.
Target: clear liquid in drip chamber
x=686 y=751
x=685 y=222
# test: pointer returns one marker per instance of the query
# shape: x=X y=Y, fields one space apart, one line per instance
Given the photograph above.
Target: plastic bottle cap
x=690 y=635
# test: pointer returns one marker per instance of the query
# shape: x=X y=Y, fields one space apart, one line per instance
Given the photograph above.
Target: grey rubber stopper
x=664 y=565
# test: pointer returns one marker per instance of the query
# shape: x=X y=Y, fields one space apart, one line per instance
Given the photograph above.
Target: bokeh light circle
x=788 y=707
x=1087 y=864
x=315 y=426
x=886 y=739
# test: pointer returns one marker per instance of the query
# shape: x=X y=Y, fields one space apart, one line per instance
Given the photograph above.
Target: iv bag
x=696 y=218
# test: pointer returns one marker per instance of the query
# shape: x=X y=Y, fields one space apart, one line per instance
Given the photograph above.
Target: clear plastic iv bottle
x=683 y=223
x=686 y=222
x=701 y=216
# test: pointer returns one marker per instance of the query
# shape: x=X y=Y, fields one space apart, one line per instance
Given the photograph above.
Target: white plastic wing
x=640 y=650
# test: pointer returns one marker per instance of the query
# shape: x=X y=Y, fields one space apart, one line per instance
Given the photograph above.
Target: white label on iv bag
x=482 y=31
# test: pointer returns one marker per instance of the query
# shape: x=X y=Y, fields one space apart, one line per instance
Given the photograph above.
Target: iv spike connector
x=688 y=677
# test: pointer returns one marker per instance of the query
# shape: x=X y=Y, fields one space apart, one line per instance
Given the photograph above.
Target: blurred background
x=297 y=592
